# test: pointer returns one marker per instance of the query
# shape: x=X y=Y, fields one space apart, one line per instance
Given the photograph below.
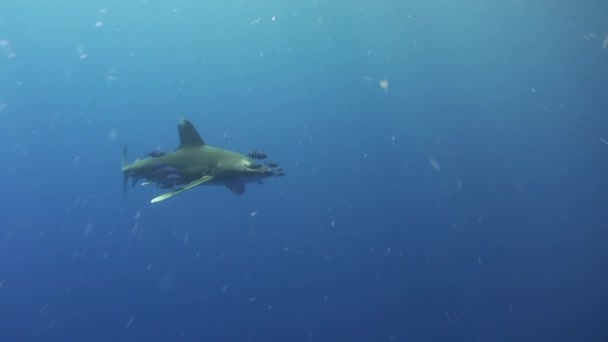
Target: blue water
x=446 y=167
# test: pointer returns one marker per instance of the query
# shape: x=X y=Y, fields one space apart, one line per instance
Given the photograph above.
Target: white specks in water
x=479 y=260
x=81 y=52
x=99 y=23
x=3 y=106
x=257 y=20
x=459 y=185
x=589 y=36
x=434 y=164
x=326 y=298
x=6 y=48
x=111 y=75
x=224 y=288
x=510 y=307
x=285 y=249
x=383 y=83
x=252 y=299
x=393 y=140
x=186 y=237
x=333 y=223
x=113 y=134
x=604 y=141
x=253 y=213
x=88 y=228
x=134 y=229
x=130 y=321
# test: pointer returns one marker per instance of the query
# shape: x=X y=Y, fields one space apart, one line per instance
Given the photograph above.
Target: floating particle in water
x=383 y=83
x=111 y=75
x=80 y=51
x=130 y=321
x=252 y=299
x=88 y=228
x=253 y=213
x=274 y=18
x=333 y=223
x=98 y=23
x=5 y=46
x=605 y=42
x=589 y=36
x=257 y=20
x=604 y=141
x=113 y=134
x=434 y=164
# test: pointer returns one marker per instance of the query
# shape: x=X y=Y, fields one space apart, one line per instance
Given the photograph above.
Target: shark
x=195 y=163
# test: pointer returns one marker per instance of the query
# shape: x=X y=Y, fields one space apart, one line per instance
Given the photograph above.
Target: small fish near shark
x=195 y=163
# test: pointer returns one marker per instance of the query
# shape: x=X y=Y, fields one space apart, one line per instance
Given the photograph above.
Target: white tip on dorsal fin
x=188 y=136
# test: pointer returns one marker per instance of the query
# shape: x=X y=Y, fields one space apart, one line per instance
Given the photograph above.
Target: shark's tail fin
x=124 y=163
x=125 y=152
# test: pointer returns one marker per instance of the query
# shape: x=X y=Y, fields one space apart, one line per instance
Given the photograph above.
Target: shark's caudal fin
x=188 y=136
x=124 y=163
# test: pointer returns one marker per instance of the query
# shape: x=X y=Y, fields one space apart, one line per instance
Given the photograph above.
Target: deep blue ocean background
x=446 y=167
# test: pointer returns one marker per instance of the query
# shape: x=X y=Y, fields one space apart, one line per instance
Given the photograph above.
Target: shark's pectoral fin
x=237 y=188
x=189 y=186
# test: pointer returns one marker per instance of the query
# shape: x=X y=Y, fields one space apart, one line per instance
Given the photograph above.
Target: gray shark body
x=195 y=163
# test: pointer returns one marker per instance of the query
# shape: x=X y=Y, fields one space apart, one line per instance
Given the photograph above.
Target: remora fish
x=197 y=163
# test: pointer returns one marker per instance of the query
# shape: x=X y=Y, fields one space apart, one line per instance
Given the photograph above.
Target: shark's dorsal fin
x=188 y=136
